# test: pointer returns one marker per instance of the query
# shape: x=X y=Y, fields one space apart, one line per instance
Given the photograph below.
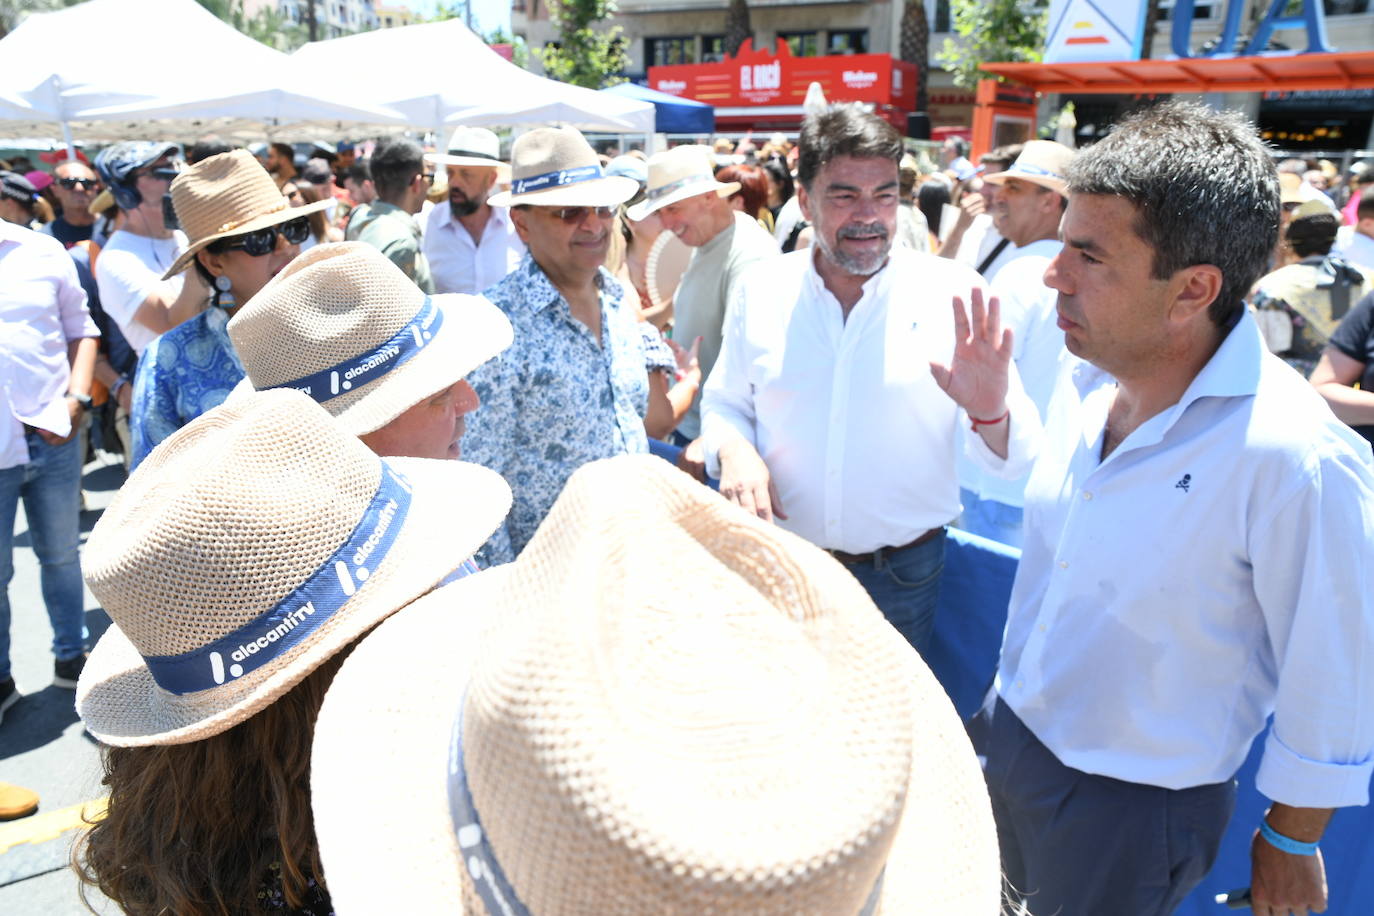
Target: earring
x=223 y=299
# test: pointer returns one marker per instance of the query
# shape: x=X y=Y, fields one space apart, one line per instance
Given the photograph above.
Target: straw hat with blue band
x=251 y=546
x=344 y=325
x=679 y=173
x=1042 y=162
x=759 y=742
x=557 y=167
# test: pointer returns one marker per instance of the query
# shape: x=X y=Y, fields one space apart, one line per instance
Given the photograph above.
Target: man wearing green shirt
x=401 y=179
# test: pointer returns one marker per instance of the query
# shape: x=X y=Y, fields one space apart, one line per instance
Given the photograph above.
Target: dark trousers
x=1075 y=844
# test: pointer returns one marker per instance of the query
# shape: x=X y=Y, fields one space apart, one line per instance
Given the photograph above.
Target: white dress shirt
x=1355 y=247
x=859 y=439
x=1214 y=569
x=459 y=266
x=42 y=308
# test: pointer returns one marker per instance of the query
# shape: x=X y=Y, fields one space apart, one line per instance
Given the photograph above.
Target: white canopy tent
x=204 y=77
x=440 y=73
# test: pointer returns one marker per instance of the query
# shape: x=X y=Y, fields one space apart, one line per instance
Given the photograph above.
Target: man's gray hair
x=1205 y=190
x=847 y=129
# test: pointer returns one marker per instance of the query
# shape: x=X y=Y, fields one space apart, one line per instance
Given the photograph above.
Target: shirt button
x=1087 y=495
x=1063 y=564
x=1020 y=684
x=1041 y=628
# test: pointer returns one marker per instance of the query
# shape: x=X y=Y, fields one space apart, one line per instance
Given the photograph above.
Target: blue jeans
x=50 y=485
x=905 y=585
x=990 y=519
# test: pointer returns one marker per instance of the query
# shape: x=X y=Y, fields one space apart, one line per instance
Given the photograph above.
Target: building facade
x=333 y=18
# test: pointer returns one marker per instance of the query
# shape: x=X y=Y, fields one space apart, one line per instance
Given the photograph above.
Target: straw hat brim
x=456 y=507
x=473 y=332
x=1057 y=185
x=274 y=218
x=643 y=209
x=596 y=192
x=396 y=741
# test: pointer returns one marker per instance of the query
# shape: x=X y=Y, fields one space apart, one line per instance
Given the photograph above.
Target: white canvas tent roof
x=203 y=76
x=440 y=73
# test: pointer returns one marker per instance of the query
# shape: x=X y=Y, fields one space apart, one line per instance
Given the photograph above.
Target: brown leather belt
x=853 y=559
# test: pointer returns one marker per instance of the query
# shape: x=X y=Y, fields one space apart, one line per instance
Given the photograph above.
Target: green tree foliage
x=584 y=55
x=993 y=31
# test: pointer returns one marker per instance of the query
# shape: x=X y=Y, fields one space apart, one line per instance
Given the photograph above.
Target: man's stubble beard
x=465 y=207
x=859 y=267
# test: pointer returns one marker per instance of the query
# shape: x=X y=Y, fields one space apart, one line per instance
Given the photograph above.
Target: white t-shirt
x=128 y=271
x=1355 y=247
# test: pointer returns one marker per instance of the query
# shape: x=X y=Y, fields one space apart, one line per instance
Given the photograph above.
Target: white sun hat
x=677 y=174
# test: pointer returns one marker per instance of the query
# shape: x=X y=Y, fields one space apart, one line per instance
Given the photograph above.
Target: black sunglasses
x=163 y=174
x=262 y=241
x=71 y=184
x=573 y=215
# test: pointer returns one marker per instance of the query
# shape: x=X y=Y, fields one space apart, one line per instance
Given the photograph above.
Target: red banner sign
x=761 y=77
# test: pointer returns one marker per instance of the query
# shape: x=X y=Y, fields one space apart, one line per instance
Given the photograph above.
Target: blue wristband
x=1286 y=844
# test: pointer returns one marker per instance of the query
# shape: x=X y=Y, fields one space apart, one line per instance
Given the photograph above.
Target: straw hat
x=1042 y=162
x=475 y=146
x=557 y=167
x=344 y=324
x=251 y=546
x=760 y=741
x=228 y=194
x=1290 y=188
x=679 y=173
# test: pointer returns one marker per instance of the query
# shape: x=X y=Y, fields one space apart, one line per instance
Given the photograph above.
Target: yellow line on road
x=50 y=825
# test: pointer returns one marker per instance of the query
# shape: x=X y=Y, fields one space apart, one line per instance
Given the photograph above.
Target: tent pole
x=67 y=136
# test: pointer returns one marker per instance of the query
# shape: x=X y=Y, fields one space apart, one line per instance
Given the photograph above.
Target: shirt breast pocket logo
x=1184 y=483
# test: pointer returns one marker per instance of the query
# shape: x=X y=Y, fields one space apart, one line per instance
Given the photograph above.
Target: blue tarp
x=672 y=114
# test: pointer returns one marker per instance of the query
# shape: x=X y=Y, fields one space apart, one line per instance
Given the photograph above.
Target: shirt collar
x=538 y=290
x=875 y=285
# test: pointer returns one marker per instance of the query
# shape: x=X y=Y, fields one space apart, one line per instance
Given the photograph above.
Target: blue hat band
x=556 y=179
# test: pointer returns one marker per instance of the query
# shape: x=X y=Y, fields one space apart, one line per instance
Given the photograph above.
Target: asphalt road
x=42 y=743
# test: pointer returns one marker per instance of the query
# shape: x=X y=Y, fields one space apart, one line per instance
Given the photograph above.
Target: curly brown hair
x=195 y=829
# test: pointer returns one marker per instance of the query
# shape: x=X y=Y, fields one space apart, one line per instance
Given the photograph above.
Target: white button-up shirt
x=1214 y=569
x=42 y=308
x=460 y=266
x=859 y=439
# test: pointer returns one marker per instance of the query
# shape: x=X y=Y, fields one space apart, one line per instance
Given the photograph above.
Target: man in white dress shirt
x=845 y=377
x=470 y=244
x=1197 y=538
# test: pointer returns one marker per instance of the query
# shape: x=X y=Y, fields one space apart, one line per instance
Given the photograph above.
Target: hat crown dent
x=550 y=149
x=223 y=192
x=225 y=519
x=764 y=712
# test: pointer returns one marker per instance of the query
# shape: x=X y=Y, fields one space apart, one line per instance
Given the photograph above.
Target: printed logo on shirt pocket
x=1184 y=483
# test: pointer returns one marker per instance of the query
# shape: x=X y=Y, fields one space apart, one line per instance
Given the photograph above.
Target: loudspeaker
x=918 y=126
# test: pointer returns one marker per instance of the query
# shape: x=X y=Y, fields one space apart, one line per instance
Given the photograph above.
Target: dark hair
x=395 y=163
x=931 y=197
x=844 y=130
x=204 y=149
x=1002 y=155
x=1365 y=208
x=359 y=171
x=960 y=146
x=319 y=224
x=1204 y=188
x=286 y=151
x=753 y=186
x=1313 y=234
x=777 y=170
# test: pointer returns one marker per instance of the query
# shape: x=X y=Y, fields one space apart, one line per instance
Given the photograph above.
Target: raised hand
x=976 y=378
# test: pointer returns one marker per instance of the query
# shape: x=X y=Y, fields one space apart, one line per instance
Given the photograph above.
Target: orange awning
x=1339 y=70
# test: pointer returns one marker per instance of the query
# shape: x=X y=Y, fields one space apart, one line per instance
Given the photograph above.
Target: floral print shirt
x=556 y=399
x=181 y=375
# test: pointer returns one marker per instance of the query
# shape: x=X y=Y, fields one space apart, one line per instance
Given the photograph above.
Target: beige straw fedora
x=251 y=546
x=345 y=325
x=557 y=167
x=1042 y=162
x=475 y=146
x=228 y=194
x=758 y=740
x=680 y=173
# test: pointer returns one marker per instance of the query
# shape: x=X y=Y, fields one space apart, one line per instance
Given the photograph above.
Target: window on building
x=712 y=48
x=803 y=44
x=942 y=16
x=852 y=41
x=664 y=52
x=1202 y=9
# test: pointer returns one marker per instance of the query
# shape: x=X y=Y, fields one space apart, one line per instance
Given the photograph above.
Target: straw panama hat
x=1042 y=162
x=557 y=167
x=474 y=146
x=251 y=546
x=760 y=742
x=228 y=194
x=677 y=174
x=346 y=325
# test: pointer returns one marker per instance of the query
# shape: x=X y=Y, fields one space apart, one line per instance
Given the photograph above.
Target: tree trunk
x=915 y=46
x=312 y=26
x=1147 y=43
x=737 y=27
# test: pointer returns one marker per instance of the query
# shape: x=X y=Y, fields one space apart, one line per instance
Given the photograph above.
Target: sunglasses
x=71 y=184
x=163 y=174
x=574 y=215
x=263 y=241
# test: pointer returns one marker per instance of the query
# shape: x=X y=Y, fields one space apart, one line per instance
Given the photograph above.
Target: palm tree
x=915 y=47
x=737 y=27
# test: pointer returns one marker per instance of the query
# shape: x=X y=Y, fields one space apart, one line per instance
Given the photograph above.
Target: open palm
x=976 y=378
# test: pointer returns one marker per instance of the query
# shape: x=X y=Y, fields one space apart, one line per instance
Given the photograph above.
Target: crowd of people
x=392 y=520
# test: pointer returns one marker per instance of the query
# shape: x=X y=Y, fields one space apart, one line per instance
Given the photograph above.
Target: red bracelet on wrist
x=975 y=422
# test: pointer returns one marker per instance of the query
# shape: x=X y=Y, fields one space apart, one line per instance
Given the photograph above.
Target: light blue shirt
x=1214 y=569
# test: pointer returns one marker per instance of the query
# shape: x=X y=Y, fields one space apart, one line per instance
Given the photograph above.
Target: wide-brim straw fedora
x=344 y=324
x=557 y=167
x=756 y=739
x=252 y=545
x=473 y=146
x=1042 y=162
x=226 y=195
x=677 y=174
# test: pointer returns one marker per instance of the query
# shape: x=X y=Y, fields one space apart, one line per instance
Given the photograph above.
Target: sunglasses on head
x=263 y=241
x=578 y=214
x=71 y=184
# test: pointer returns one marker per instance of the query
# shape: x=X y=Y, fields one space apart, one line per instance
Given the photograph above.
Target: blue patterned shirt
x=181 y=375
x=556 y=399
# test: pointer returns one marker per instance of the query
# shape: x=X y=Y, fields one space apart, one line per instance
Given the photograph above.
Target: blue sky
x=489 y=14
